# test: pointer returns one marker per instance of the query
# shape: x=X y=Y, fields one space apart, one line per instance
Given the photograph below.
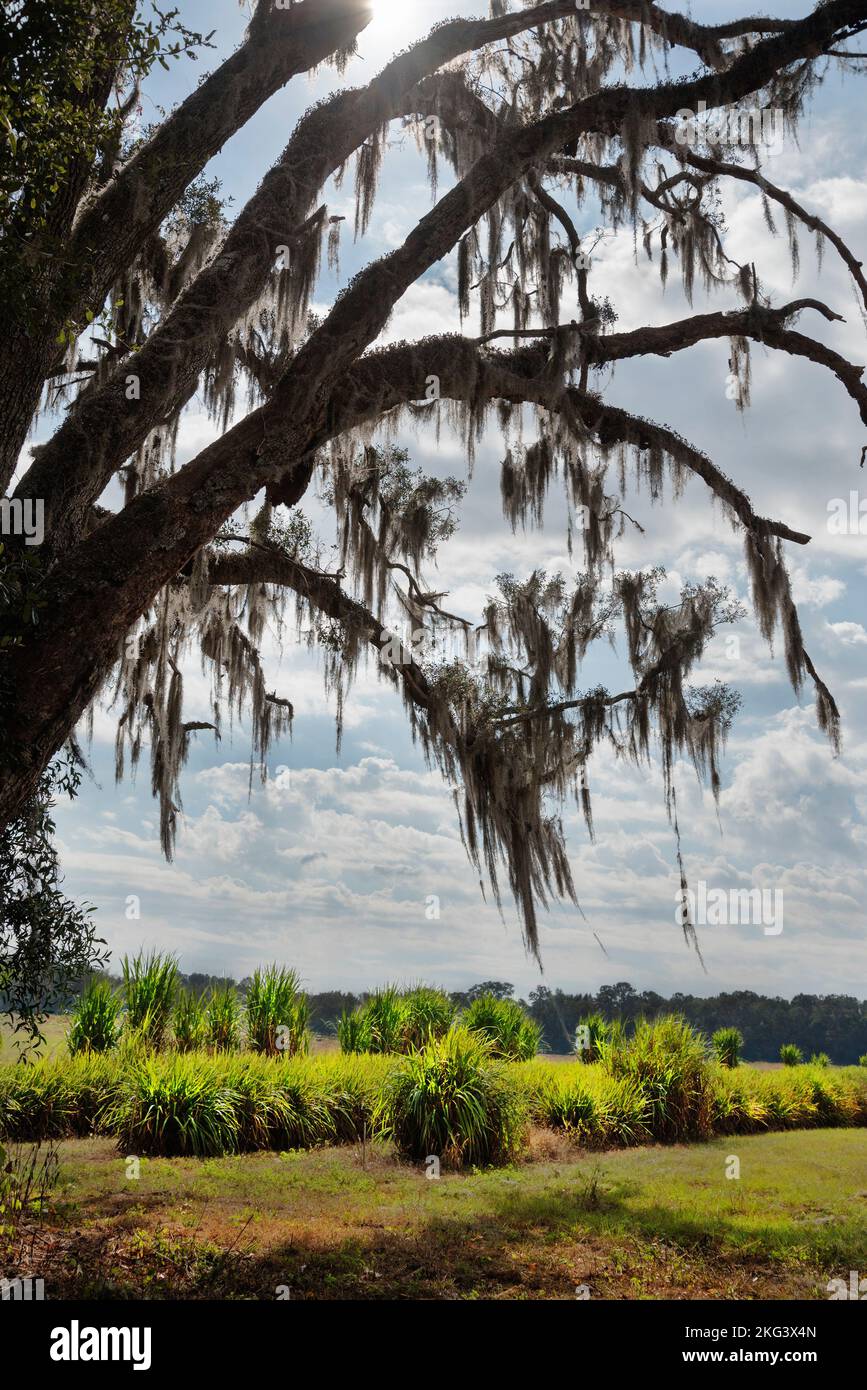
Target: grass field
x=54 y=1030
x=655 y=1222
x=235 y=1175
x=57 y=1026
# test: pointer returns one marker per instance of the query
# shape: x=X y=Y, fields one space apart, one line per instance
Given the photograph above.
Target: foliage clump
x=505 y=1026
x=449 y=1101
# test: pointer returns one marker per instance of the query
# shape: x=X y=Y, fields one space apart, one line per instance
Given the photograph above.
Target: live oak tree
x=126 y=291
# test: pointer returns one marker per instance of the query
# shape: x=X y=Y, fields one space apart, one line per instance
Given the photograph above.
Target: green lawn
x=649 y=1222
x=54 y=1030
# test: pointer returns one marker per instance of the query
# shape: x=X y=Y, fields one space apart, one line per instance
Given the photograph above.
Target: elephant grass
x=396 y=1020
x=190 y=1022
x=277 y=1013
x=452 y=1098
x=95 y=1023
x=512 y=1034
x=150 y=985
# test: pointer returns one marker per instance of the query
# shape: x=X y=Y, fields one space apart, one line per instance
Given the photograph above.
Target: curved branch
x=280 y=44
x=267 y=565
x=757 y=322
x=395 y=376
x=111 y=229
x=779 y=195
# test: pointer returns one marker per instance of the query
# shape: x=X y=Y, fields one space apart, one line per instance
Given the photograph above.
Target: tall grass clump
x=791 y=1055
x=594 y=1107
x=95 y=1019
x=450 y=1100
x=668 y=1060
x=223 y=1020
x=511 y=1033
x=393 y=1020
x=150 y=984
x=279 y=1106
x=59 y=1098
x=591 y=1032
x=353 y=1031
x=820 y=1059
x=190 y=1022
x=277 y=1013
x=428 y=1013
x=175 y=1106
x=377 y=1025
x=385 y=1013
x=727 y=1044
x=353 y=1085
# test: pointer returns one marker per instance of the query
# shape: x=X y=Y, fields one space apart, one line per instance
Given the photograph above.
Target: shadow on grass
x=520 y=1245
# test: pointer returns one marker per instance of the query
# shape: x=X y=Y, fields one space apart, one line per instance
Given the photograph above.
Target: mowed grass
x=56 y=1027
x=353 y=1222
x=54 y=1031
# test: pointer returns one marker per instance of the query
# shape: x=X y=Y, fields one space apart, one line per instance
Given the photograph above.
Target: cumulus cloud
x=851 y=634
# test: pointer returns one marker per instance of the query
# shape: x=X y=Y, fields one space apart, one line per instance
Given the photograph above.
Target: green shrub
x=450 y=1100
x=820 y=1059
x=791 y=1055
x=512 y=1034
x=277 y=1106
x=728 y=1043
x=385 y=1013
x=394 y=1020
x=58 y=1098
x=149 y=987
x=427 y=1014
x=380 y=1024
x=95 y=1026
x=668 y=1060
x=598 y=1109
x=175 y=1105
x=223 y=1020
x=592 y=1030
x=862 y=1060
x=190 y=1022
x=35 y=1104
x=353 y=1086
x=353 y=1031
x=277 y=1013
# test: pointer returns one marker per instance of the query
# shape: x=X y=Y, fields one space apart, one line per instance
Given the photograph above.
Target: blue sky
x=330 y=866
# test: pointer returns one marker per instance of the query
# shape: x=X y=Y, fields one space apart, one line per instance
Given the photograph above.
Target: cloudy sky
x=330 y=866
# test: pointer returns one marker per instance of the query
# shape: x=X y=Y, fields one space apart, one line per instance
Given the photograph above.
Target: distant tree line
x=832 y=1023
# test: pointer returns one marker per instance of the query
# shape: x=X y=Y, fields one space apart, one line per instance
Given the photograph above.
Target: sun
x=397 y=21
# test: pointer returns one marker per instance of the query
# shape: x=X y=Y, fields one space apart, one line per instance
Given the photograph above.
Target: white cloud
x=851 y=634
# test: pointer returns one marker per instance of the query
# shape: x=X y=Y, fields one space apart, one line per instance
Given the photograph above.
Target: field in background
x=54 y=1031
x=57 y=1026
